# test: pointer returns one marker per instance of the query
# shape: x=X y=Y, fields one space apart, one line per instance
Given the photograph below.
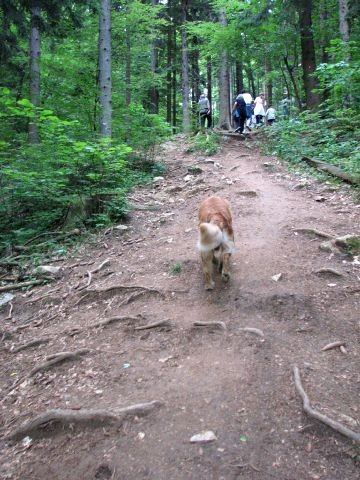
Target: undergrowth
x=206 y=143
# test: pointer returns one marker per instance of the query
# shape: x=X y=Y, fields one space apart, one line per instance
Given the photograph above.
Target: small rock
x=165 y=359
x=319 y=198
x=26 y=442
x=48 y=270
x=158 y=179
x=6 y=298
x=209 y=160
x=173 y=189
x=203 y=437
x=194 y=170
x=277 y=277
x=121 y=228
x=141 y=435
x=188 y=230
x=228 y=181
x=188 y=178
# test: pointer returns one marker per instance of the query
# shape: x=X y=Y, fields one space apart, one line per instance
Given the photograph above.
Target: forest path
x=232 y=382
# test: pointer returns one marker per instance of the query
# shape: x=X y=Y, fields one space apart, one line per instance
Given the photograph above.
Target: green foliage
x=332 y=137
x=176 y=268
x=208 y=143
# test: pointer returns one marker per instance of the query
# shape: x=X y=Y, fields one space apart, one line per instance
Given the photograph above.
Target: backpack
x=240 y=103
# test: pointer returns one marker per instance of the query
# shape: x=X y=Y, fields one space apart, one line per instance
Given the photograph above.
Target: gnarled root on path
x=339 y=427
x=47 y=424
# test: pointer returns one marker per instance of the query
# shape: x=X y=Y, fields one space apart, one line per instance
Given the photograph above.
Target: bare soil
x=232 y=382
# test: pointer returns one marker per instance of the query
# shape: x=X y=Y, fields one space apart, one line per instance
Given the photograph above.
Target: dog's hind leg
x=225 y=272
x=207 y=264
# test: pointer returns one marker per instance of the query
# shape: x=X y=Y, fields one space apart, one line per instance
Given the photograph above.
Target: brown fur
x=216 y=238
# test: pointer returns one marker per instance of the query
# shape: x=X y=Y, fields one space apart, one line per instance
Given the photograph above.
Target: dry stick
x=210 y=324
x=36 y=427
x=33 y=343
x=343 y=349
x=319 y=416
x=329 y=346
x=161 y=323
x=57 y=358
x=314 y=231
x=15 y=286
x=255 y=331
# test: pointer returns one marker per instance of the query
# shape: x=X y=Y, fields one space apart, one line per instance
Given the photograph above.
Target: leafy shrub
x=208 y=144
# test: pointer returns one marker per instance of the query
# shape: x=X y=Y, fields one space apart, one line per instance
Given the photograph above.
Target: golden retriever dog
x=216 y=238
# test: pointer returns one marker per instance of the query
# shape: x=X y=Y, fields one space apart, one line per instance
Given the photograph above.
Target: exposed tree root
x=161 y=323
x=319 y=416
x=37 y=299
x=255 y=331
x=76 y=231
x=102 y=323
x=216 y=324
x=329 y=346
x=9 y=317
x=48 y=423
x=314 y=232
x=102 y=265
x=97 y=294
x=332 y=170
x=332 y=271
x=16 y=286
x=33 y=343
x=57 y=358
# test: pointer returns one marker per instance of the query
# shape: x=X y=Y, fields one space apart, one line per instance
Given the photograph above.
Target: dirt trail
x=232 y=382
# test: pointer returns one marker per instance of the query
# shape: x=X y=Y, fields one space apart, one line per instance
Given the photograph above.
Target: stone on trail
x=48 y=270
x=158 y=179
x=277 y=277
x=6 y=298
x=203 y=437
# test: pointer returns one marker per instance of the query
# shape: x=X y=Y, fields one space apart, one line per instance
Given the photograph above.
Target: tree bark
x=269 y=84
x=169 y=62
x=224 y=97
x=154 y=91
x=185 y=70
x=209 y=87
x=105 y=68
x=35 y=39
x=308 y=60
x=239 y=76
x=343 y=20
x=293 y=81
x=174 y=84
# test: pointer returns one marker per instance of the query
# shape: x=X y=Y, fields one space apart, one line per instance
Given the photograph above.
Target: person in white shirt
x=270 y=115
x=259 y=110
x=204 y=111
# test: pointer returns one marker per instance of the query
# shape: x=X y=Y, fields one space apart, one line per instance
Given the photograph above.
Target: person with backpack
x=204 y=111
x=239 y=111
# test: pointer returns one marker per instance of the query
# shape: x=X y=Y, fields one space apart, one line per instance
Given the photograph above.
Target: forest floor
x=233 y=382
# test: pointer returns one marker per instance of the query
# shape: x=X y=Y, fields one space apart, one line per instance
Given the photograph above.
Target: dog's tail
x=210 y=237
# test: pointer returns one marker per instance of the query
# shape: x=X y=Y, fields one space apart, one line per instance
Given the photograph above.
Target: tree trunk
x=154 y=91
x=269 y=84
x=169 y=62
x=34 y=68
x=343 y=20
x=293 y=81
x=224 y=97
x=307 y=53
x=209 y=87
x=239 y=76
x=185 y=71
x=324 y=35
x=174 y=84
x=105 y=67
x=195 y=90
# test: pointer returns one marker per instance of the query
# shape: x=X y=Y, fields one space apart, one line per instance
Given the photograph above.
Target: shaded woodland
x=90 y=88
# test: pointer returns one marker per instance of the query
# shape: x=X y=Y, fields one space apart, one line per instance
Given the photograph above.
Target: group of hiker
x=247 y=113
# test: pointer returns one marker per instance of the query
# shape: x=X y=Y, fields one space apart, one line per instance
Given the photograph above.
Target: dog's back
x=215 y=235
x=215 y=225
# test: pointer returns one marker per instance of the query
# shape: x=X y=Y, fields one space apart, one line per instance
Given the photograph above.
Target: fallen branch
x=329 y=346
x=36 y=428
x=16 y=286
x=57 y=358
x=216 y=324
x=314 y=232
x=255 y=331
x=333 y=170
x=161 y=323
x=37 y=299
x=76 y=231
x=319 y=416
x=33 y=343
